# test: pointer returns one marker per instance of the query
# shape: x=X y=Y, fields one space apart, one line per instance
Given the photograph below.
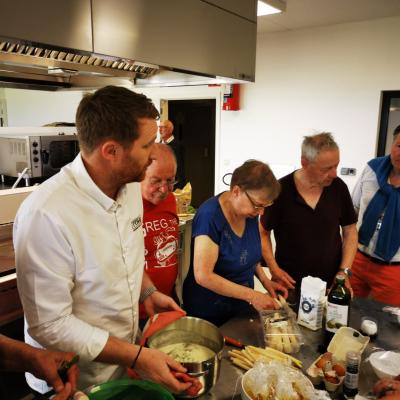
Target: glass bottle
x=350 y=384
x=338 y=307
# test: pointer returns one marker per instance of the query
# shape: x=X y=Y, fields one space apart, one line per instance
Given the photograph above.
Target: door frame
x=206 y=93
x=386 y=97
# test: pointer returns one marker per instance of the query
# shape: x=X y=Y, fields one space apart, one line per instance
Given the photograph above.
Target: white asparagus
x=242 y=357
x=240 y=364
x=275 y=340
x=287 y=347
x=277 y=354
x=245 y=358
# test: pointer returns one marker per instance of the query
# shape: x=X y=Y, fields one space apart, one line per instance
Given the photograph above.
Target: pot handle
x=197 y=374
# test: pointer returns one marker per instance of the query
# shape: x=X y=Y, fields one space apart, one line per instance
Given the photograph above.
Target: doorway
x=194 y=128
x=389 y=120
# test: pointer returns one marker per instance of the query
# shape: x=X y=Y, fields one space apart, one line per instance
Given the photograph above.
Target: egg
x=339 y=369
x=332 y=378
x=326 y=357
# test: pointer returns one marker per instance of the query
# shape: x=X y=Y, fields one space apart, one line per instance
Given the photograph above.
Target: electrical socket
x=348 y=171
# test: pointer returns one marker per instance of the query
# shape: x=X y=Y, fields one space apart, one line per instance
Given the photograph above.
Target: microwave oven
x=42 y=154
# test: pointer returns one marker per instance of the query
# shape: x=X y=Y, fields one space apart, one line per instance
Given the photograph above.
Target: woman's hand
x=157 y=366
x=282 y=277
x=274 y=287
x=263 y=301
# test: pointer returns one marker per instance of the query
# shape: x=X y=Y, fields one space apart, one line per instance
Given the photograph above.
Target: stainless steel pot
x=197 y=331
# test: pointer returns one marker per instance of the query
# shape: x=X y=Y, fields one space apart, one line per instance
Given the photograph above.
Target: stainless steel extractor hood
x=31 y=67
x=54 y=44
x=23 y=65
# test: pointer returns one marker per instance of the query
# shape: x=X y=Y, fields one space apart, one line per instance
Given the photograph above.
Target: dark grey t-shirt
x=308 y=241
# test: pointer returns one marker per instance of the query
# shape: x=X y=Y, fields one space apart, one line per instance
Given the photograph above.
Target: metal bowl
x=197 y=331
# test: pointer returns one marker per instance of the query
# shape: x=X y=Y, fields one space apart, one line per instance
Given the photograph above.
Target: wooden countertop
x=7 y=264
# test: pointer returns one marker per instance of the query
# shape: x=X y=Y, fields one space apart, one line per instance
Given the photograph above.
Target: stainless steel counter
x=248 y=330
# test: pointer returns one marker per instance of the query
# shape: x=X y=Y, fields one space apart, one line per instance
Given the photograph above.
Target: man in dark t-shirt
x=313 y=219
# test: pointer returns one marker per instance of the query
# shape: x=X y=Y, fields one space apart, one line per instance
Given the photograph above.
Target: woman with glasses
x=226 y=248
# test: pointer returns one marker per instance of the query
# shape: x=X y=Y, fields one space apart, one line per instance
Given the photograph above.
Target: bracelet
x=136 y=358
x=146 y=293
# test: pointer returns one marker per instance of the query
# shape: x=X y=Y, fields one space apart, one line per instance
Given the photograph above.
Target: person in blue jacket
x=226 y=249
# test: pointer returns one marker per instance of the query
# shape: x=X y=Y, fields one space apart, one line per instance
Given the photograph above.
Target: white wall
x=37 y=108
x=309 y=80
x=327 y=78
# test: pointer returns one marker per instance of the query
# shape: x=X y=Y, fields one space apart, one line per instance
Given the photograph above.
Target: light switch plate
x=348 y=171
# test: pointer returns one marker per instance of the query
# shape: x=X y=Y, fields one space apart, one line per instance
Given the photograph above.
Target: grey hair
x=313 y=145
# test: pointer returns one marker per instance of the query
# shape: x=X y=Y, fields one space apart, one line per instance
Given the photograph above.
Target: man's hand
x=281 y=276
x=65 y=393
x=387 y=389
x=157 y=366
x=159 y=302
x=44 y=365
x=346 y=282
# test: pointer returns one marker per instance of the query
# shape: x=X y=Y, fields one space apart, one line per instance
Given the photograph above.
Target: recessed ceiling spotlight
x=268 y=7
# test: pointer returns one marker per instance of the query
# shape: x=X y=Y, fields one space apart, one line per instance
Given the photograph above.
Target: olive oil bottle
x=338 y=307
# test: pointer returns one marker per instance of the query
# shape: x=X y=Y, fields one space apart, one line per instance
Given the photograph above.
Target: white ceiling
x=309 y=13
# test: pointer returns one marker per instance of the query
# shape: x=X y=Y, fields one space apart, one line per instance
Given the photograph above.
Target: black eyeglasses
x=257 y=207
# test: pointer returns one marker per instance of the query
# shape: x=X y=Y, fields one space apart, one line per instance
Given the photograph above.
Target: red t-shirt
x=161 y=235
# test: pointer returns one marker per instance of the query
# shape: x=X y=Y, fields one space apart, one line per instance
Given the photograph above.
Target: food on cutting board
x=250 y=354
x=188 y=352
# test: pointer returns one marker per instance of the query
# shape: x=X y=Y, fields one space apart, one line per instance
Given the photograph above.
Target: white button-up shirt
x=79 y=260
x=363 y=192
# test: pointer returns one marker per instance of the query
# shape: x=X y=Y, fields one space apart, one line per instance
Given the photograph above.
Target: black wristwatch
x=346 y=271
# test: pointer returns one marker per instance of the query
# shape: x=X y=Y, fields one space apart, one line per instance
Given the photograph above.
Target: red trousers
x=381 y=282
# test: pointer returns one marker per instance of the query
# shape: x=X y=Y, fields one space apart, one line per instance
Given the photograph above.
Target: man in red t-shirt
x=160 y=221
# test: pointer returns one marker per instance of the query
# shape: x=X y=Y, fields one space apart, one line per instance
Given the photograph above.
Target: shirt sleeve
x=348 y=215
x=357 y=191
x=45 y=274
x=206 y=222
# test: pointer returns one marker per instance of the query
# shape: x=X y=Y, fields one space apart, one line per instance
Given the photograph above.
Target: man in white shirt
x=79 y=247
